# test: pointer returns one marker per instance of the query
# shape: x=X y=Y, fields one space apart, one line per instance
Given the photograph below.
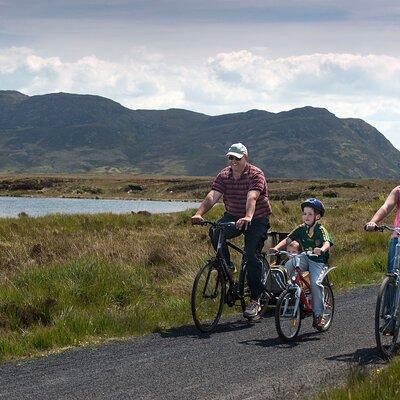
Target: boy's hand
x=318 y=251
x=273 y=250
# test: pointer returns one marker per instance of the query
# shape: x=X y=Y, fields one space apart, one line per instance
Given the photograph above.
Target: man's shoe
x=252 y=309
x=319 y=323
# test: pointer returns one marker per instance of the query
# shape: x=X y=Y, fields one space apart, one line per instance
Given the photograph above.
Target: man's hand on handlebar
x=197 y=219
x=243 y=223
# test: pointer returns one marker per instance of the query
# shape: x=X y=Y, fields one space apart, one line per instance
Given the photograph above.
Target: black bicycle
x=387 y=311
x=215 y=285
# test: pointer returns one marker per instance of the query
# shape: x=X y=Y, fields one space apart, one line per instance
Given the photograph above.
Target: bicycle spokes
x=287 y=316
x=211 y=284
x=386 y=321
x=208 y=296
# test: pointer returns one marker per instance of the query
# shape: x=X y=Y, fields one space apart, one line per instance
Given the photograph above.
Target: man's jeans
x=317 y=271
x=254 y=238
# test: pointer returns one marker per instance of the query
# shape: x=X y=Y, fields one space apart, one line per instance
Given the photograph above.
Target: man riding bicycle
x=245 y=195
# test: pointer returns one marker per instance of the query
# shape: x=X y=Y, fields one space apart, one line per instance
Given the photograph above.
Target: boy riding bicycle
x=312 y=236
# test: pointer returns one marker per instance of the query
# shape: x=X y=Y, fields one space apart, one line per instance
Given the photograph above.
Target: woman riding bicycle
x=392 y=201
x=312 y=236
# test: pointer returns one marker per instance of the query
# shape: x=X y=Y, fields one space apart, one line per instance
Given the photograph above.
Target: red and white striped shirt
x=235 y=191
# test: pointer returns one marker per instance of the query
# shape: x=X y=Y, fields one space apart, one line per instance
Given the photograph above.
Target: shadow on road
x=360 y=357
x=306 y=337
x=191 y=330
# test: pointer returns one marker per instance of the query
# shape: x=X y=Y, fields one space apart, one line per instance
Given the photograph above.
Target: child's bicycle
x=387 y=311
x=214 y=285
x=295 y=303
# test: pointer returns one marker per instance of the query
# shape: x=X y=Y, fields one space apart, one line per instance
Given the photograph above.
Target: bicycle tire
x=287 y=325
x=386 y=343
x=208 y=296
x=244 y=289
x=329 y=307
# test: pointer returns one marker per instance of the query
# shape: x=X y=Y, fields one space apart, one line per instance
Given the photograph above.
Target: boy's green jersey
x=320 y=235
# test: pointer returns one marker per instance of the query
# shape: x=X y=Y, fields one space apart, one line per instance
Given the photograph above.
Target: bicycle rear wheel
x=329 y=306
x=208 y=294
x=386 y=332
x=244 y=289
x=287 y=319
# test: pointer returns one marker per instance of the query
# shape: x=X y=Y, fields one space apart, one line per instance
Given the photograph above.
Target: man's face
x=237 y=164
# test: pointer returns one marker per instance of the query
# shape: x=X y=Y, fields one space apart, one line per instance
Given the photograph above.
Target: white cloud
x=349 y=85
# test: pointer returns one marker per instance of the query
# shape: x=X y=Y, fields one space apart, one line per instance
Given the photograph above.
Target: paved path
x=238 y=361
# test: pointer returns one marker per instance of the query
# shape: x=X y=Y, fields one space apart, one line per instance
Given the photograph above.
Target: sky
x=214 y=57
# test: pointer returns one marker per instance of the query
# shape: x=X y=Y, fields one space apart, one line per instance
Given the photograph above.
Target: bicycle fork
x=293 y=311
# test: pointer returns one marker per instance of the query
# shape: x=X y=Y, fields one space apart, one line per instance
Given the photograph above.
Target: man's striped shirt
x=235 y=191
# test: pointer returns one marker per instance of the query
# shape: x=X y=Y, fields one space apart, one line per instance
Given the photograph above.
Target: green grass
x=69 y=280
x=43 y=308
x=79 y=279
x=384 y=383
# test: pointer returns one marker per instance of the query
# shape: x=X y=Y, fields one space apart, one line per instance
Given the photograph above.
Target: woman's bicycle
x=215 y=285
x=387 y=311
x=295 y=303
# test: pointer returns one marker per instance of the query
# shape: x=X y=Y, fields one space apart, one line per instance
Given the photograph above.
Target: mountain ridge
x=64 y=132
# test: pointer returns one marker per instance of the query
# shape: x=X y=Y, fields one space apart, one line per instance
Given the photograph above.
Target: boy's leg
x=297 y=261
x=230 y=233
x=317 y=271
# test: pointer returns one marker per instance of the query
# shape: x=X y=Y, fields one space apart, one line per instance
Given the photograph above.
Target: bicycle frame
x=396 y=276
x=237 y=288
x=220 y=256
x=299 y=284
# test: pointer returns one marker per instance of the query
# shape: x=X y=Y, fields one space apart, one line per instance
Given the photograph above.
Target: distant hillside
x=80 y=133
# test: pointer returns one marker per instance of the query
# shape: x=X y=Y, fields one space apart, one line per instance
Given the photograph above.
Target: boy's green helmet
x=315 y=204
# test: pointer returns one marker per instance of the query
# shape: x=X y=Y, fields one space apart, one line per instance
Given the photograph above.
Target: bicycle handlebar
x=216 y=224
x=288 y=253
x=381 y=228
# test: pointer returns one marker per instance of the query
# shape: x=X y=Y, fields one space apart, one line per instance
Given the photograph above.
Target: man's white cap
x=237 y=150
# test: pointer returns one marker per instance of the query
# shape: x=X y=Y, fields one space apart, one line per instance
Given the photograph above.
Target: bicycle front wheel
x=386 y=331
x=208 y=294
x=287 y=316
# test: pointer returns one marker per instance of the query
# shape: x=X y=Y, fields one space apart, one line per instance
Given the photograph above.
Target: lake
x=36 y=207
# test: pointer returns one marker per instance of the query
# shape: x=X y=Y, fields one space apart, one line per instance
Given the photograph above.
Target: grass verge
x=69 y=280
x=383 y=383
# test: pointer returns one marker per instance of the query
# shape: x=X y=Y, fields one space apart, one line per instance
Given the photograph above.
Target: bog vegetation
x=70 y=280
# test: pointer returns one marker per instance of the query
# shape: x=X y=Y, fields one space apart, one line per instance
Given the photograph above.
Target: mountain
x=64 y=132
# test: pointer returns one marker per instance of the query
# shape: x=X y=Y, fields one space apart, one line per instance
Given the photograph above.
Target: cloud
x=349 y=85
x=233 y=11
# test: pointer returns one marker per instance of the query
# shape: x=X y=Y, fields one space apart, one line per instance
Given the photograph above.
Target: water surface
x=35 y=207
